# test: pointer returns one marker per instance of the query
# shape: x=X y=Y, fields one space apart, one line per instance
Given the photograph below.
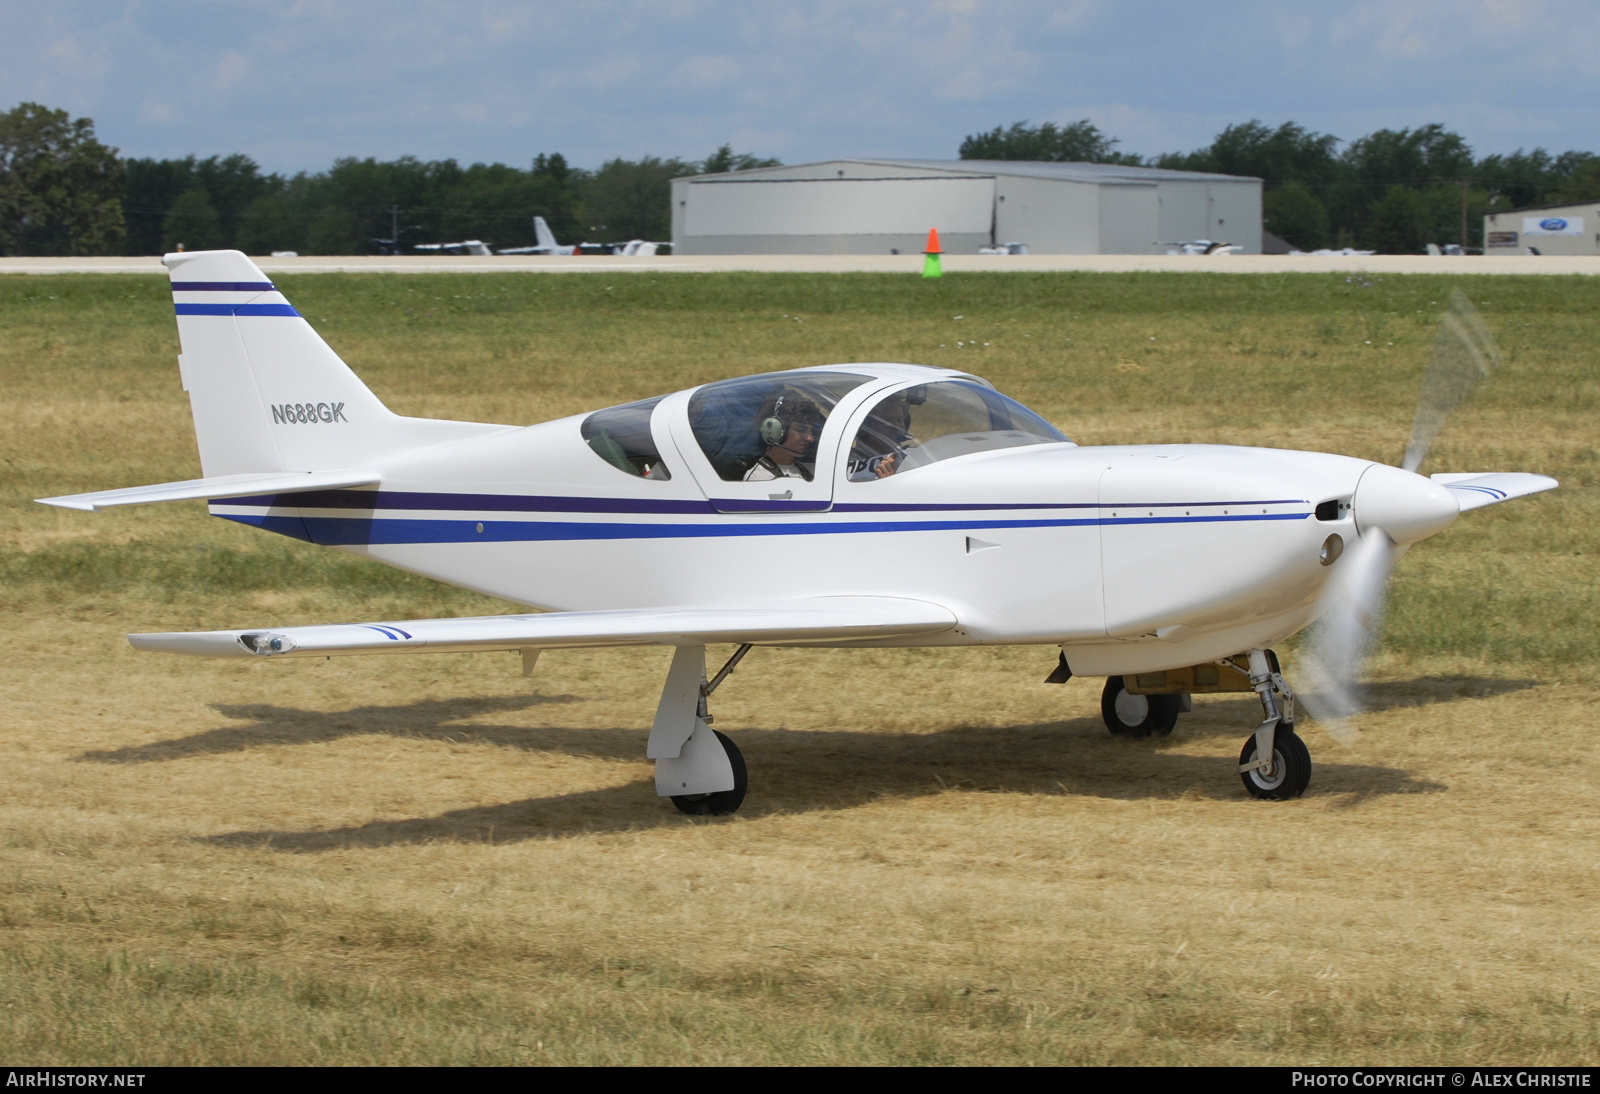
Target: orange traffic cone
x=930 y=261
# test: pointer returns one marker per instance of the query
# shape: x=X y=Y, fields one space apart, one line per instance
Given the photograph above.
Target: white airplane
x=1202 y=247
x=547 y=244
x=636 y=248
x=464 y=247
x=861 y=505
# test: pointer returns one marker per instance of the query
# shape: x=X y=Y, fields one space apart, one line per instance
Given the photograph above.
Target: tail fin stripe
x=224 y=286
x=237 y=309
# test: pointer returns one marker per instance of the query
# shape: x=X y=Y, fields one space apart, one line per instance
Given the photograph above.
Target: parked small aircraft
x=744 y=511
x=464 y=247
x=1202 y=247
x=636 y=247
x=547 y=244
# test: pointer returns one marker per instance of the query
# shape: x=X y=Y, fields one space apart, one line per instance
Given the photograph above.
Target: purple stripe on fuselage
x=856 y=507
x=224 y=286
x=521 y=503
x=487 y=503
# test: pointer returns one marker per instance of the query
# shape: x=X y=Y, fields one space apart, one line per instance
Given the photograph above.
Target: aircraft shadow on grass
x=439 y=720
x=275 y=725
x=798 y=771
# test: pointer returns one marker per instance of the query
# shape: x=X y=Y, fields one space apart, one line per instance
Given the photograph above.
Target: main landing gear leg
x=1275 y=762
x=701 y=770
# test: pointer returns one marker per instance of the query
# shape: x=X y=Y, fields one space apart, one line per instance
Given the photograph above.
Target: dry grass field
x=432 y=860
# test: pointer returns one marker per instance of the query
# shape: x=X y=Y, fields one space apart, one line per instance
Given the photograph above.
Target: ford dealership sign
x=1552 y=226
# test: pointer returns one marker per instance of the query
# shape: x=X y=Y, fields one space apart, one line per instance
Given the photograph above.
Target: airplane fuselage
x=1133 y=557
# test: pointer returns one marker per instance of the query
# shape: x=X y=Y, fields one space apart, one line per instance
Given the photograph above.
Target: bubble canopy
x=920 y=425
x=736 y=424
x=620 y=435
x=727 y=416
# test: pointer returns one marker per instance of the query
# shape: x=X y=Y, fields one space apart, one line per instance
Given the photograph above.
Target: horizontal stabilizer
x=788 y=622
x=1473 y=490
x=218 y=486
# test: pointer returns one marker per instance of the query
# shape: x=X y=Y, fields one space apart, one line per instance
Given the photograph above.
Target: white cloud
x=707 y=71
x=1071 y=16
x=231 y=68
x=157 y=112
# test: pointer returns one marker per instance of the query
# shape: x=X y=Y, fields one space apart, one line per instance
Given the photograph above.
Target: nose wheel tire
x=723 y=802
x=1130 y=715
x=1291 y=767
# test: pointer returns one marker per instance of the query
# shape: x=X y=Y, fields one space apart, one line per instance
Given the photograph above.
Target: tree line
x=1393 y=191
x=64 y=192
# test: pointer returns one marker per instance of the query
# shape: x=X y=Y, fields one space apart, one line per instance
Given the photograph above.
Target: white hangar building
x=859 y=206
x=1547 y=229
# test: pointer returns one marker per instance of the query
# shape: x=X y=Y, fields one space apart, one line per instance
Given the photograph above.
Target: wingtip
x=68 y=502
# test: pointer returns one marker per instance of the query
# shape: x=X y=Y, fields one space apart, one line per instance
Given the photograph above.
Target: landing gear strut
x=701 y=770
x=1275 y=763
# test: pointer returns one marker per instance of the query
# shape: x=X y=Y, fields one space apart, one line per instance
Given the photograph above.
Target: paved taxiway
x=909 y=264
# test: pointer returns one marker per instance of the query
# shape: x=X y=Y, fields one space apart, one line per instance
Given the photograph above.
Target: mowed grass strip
x=433 y=860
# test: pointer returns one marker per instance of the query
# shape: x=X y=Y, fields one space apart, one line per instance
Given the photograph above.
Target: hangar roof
x=1066 y=172
x=1540 y=208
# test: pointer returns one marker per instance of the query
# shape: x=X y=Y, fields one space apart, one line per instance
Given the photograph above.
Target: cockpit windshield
x=620 y=435
x=766 y=427
x=917 y=426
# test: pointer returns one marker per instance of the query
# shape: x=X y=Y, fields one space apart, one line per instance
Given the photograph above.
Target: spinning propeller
x=1393 y=508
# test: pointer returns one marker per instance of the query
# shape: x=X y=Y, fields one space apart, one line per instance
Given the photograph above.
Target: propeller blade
x=1464 y=355
x=1351 y=615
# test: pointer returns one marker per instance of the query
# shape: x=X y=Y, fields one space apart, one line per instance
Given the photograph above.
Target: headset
x=773 y=429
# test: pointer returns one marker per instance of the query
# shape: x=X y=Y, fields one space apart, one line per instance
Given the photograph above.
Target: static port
x=1332 y=548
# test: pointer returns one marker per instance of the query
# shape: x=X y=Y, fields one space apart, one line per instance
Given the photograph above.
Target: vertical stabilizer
x=267 y=393
x=545 y=236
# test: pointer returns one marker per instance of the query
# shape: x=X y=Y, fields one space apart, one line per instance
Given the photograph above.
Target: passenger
x=788 y=425
x=880 y=445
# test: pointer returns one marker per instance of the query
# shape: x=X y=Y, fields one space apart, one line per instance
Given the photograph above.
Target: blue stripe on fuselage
x=235 y=309
x=362 y=531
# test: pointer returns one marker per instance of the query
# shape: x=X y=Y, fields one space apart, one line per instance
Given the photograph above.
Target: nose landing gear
x=1275 y=763
x=1288 y=772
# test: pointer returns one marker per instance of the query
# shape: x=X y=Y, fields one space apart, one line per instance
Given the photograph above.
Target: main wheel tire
x=1291 y=767
x=723 y=802
x=1130 y=715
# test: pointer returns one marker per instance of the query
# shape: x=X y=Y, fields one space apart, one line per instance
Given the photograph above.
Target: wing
x=1474 y=490
x=789 y=622
x=218 y=486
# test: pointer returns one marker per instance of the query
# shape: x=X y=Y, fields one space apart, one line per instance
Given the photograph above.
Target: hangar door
x=840 y=207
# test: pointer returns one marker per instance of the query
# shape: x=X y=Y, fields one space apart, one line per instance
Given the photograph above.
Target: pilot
x=880 y=445
x=788 y=424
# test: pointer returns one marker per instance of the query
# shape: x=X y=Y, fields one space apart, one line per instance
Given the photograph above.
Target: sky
x=296 y=84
